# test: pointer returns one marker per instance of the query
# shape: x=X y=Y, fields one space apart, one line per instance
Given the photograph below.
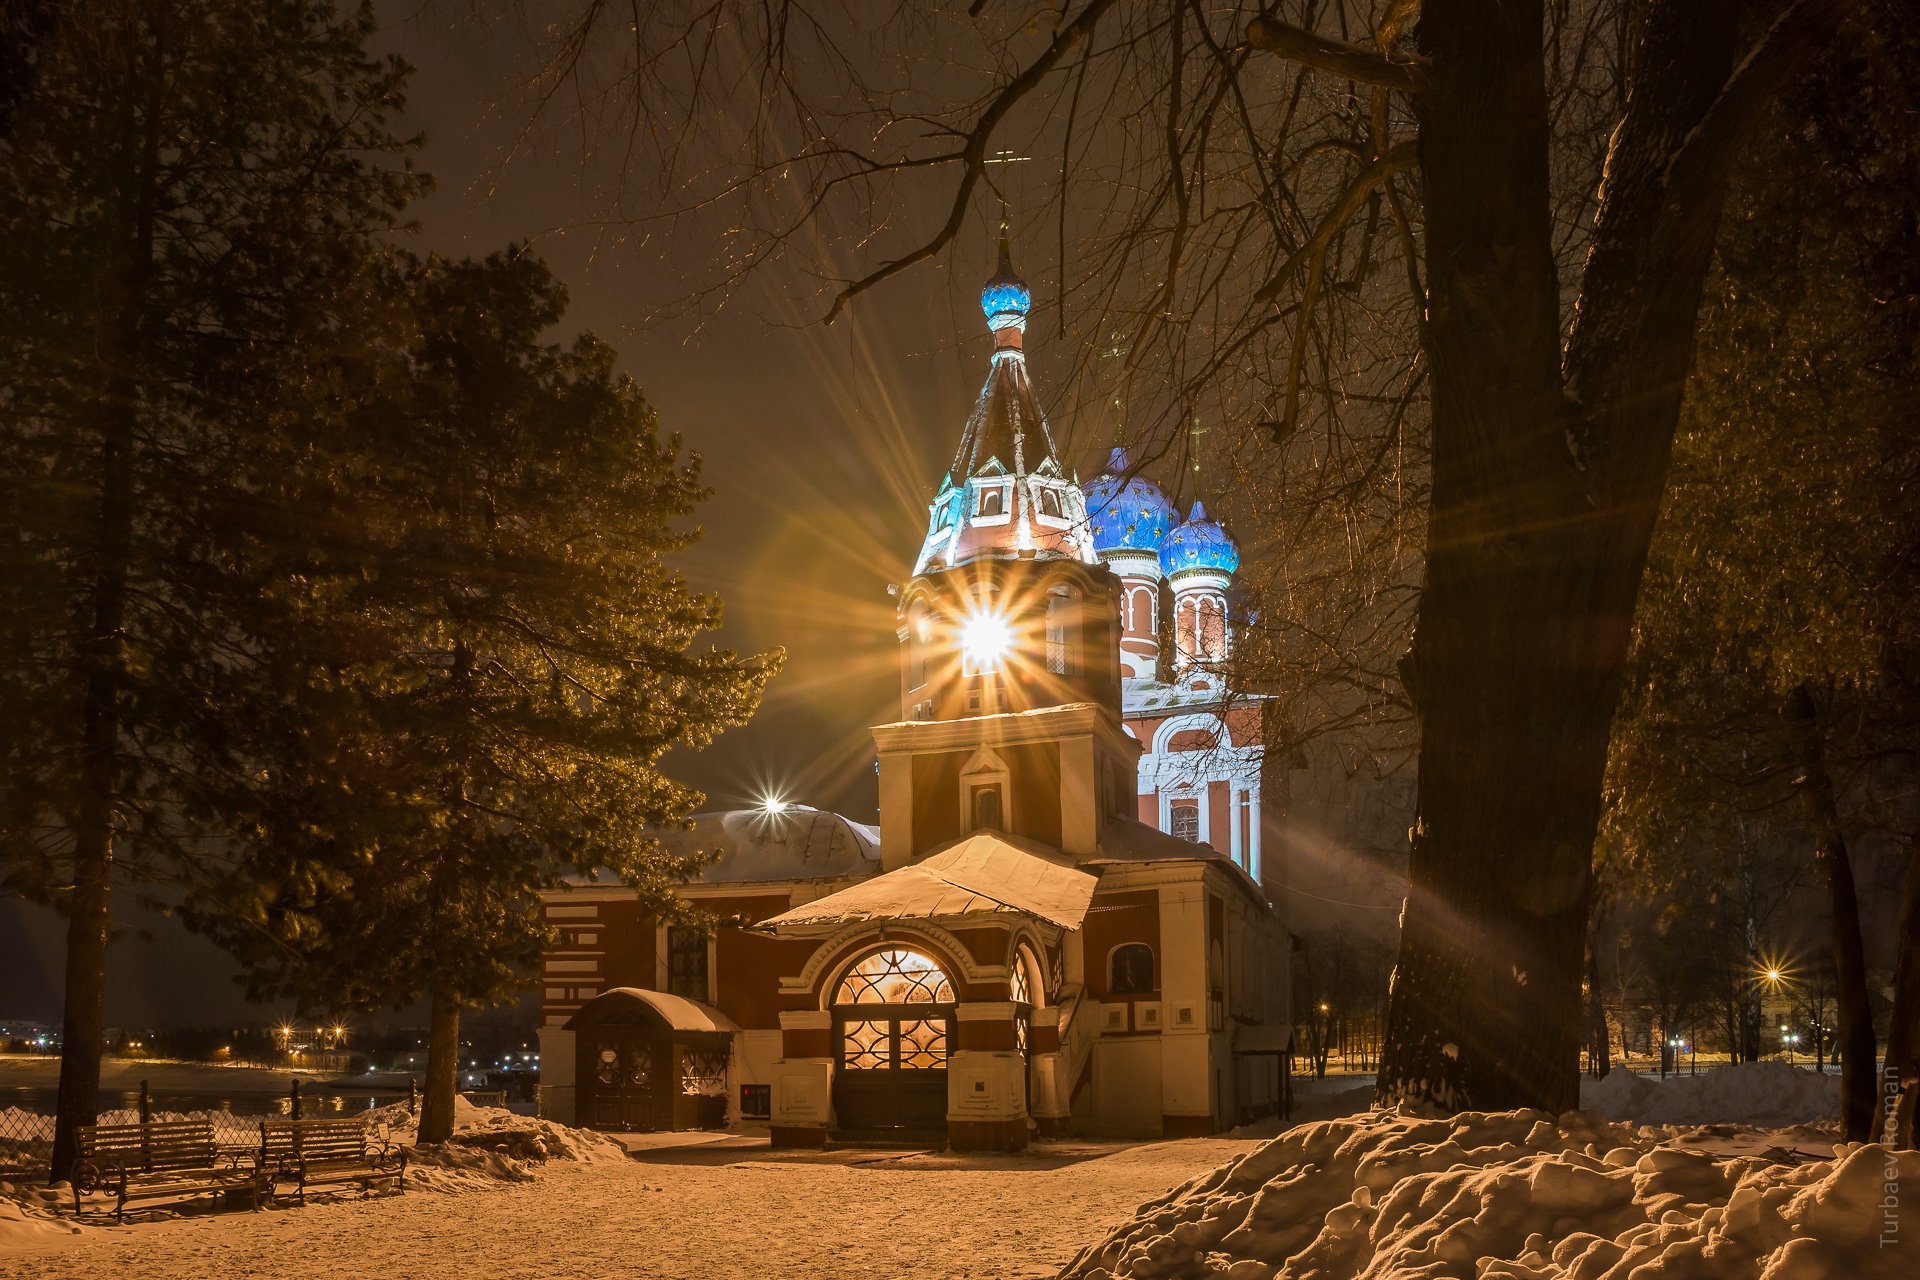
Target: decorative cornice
x=1046 y=724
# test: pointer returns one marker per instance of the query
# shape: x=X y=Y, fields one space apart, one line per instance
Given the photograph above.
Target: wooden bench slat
x=328 y=1150
x=159 y=1158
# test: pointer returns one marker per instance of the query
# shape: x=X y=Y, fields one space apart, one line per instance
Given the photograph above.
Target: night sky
x=822 y=447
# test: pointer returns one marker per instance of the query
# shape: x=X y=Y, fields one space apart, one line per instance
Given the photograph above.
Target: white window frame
x=1064 y=519
x=984 y=768
x=980 y=489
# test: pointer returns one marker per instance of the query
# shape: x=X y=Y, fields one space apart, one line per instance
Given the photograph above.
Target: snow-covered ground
x=701 y=1212
x=1520 y=1196
x=1733 y=1173
x=1756 y=1093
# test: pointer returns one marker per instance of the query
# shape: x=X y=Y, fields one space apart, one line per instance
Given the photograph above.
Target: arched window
x=1063 y=633
x=993 y=501
x=1130 y=970
x=1049 y=503
x=1211 y=629
x=896 y=975
x=1026 y=983
x=987 y=809
x=919 y=641
x=1185 y=815
x=1140 y=612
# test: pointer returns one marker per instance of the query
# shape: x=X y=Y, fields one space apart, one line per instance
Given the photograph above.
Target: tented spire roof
x=1006 y=494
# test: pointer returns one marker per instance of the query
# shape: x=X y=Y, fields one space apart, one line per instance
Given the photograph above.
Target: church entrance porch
x=892 y=1029
x=647 y=1060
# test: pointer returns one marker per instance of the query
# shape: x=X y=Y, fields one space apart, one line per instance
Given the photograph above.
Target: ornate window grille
x=896 y=975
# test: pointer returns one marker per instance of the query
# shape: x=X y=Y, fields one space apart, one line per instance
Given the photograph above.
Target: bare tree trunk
x=443 y=1069
x=1599 y=1039
x=1855 y=1047
x=83 y=1011
x=1486 y=1009
x=1547 y=479
x=109 y=560
x=1900 y=1084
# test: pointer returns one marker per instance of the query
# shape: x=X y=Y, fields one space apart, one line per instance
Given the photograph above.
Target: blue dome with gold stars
x=1126 y=512
x=1005 y=298
x=1200 y=543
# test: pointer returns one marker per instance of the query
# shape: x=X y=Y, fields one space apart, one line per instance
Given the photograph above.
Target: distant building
x=1061 y=922
x=29 y=1034
x=1202 y=760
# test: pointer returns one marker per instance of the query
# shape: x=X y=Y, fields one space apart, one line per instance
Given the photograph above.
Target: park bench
x=170 y=1158
x=316 y=1152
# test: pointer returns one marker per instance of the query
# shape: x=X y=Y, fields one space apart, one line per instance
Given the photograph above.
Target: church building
x=1064 y=922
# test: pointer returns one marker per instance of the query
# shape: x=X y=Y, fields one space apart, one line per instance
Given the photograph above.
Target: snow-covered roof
x=984 y=873
x=1138 y=696
x=755 y=845
x=634 y=1004
x=1130 y=840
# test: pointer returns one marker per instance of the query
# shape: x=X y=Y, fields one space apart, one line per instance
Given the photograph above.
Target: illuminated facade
x=1202 y=763
x=1021 y=949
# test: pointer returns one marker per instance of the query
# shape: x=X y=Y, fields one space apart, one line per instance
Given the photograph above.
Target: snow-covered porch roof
x=983 y=874
x=630 y=1005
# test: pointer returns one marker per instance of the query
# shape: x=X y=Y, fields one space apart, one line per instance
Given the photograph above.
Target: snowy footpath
x=700 y=1212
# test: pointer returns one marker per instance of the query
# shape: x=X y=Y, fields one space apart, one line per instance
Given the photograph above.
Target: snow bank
x=28 y=1217
x=1770 y=1094
x=1513 y=1196
x=489 y=1144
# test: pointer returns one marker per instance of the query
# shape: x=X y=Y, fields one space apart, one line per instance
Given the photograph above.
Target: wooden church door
x=893 y=1025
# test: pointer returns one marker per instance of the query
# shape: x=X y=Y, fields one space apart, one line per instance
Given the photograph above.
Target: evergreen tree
x=187 y=188
x=479 y=659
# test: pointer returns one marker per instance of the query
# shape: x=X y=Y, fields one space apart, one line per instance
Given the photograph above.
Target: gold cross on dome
x=1002 y=157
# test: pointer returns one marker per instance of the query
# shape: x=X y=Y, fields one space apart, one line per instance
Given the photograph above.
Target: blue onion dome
x=1200 y=543
x=1005 y=298
x=1126 y=512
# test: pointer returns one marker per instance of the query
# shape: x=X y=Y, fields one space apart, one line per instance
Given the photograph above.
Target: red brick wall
x=1034 y=769
x=1116 y=918
x=1219 y=817
x=936 y=799
x=627 y=933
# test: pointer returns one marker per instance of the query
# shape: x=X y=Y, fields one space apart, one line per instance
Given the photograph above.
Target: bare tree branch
x=973 y=155
x=1323 y=53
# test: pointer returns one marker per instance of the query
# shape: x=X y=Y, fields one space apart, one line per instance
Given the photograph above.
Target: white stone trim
x=1002 y=729
x=980 y=485
x=985 y=768
x=985 y=1011
x=837 y=949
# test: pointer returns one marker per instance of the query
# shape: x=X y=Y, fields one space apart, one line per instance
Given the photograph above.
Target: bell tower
x=1010 y=633
x=1129 y=516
